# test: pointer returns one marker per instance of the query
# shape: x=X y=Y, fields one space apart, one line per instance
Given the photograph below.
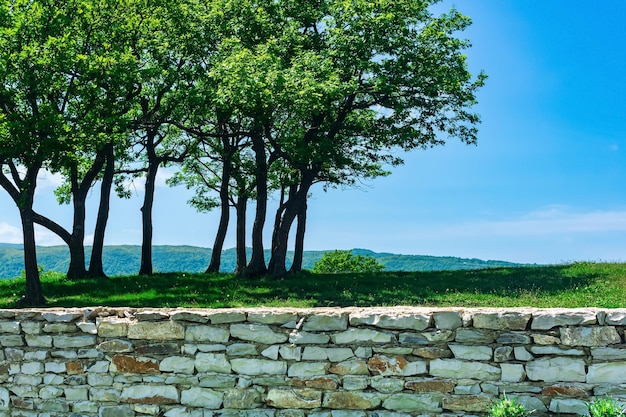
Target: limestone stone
x=507 y=320
x=404 y=321
x=179 y=364
x=215 y=380
x=31 y=327
x=300 y=398
x=32 y=368
x=307 y=369
x=290 y=352
x=385 y=365
x=615 y=318
x=271 y=317
x=564 y=391
x=73 y=341
x=242 y=399
x=189 y=315
x=116 y=346
x=271 y=352
x=258 y=366
x=134 y=364
x=607 y=373
x=513 y=338
x=166 y=330
x=448 y=320
x=545 y=339
x=438 y=336
x=55 y=367
x=14 y=355
x=355 y=383
x=89 y=353
x=512 y=372
x=212 y=362
x=202 y=397
x=302 y=338
x=351 y=400
x=590 y=336
x=568 y=406
x=150 y=394
x=10 y=327
x=414 y=403
x=533 y=404
x=11 y=340
x=471 y=388
x=556 y=369
x=338 y=354
x=112 y=327
x=471 y=352
x=225 y=317
x=350 y=367
x=453 y=368
x=87 y=327
x=259 y=333
x=470 y=403
x=606 y=353
x=38 y=340
x=430 y=385
x=61 y=316
x=324 y=383
x=363 y=352
x=241 y=349
x=50 y=392
x=520 y=388
x=359 y=336
x=490 y=389
x=59 y=328
x=205 y=333
x=555 y=350
x=149 y=315
x=503 y=354
x=387 y=385
x=475 y=336
x=326 y=322
x=432 y=352
x=393 y=350
x=97 y=367
x=549 y=319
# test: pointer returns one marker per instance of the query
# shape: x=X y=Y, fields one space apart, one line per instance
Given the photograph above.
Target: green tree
x=344 y=261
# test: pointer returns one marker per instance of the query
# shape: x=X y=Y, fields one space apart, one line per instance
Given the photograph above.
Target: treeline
x=248 y=98
x=121 y=260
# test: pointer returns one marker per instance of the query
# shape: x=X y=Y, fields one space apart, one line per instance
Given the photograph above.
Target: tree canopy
x=252 y=97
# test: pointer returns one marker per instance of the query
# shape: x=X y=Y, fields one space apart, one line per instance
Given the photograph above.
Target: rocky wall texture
x=378 y=362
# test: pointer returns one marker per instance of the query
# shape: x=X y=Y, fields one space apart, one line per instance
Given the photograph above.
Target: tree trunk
x=34 y=294
x=298 y=253
x=218 y=245
x=257 y=265
x=275 y=231
x=146 y=218
x=77 y=241
x=96 y=268
x=240 y=207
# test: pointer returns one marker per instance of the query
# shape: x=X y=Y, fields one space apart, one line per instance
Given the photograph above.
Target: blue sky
x=545 y=184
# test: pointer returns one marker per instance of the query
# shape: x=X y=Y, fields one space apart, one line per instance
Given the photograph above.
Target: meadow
x=581 y=284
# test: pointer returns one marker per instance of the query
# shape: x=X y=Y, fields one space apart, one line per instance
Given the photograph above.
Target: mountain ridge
x=125 y=259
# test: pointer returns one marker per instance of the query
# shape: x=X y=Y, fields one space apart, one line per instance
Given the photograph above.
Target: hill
x=125 y=259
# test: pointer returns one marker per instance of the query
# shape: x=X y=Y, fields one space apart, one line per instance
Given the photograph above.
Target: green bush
x=605 y=407
x=344 y=261
x=507 y=407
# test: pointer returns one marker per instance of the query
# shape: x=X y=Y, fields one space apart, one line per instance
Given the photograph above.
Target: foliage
x=565 y=286
x=344 y=261
x=507 y=407
x=606 y=407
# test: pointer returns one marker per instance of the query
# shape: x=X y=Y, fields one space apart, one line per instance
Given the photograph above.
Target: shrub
x=507 y=407
x=605 y=407
x=344 y=261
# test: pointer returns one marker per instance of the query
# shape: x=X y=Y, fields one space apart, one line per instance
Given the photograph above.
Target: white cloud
x=550 y=221
x=10 y=234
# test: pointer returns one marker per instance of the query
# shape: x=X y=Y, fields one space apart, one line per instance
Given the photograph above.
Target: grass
x=576 y=285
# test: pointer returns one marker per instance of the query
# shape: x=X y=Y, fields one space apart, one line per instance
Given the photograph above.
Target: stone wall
x=382 y=362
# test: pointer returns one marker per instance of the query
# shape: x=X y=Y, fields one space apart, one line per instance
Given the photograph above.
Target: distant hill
x=125 y=259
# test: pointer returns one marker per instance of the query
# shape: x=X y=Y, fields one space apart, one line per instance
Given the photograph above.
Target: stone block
x=226 y=317
x=387 y=385
x=205 y=333
x=116 y=346
x=402 y=321
x=212 y=362
x=150 y=394
x=615 y=317
x=306 y=338
x=350 y=367
x=549 y=319
x=414 y=403
x=12 y=327
x=258 y=333
x=272 y=317
x=448 y=320
x=475 y=336
x=246 y=366
x=112 y=327
x=178 y=364
x=326 y=322
x=242 y=349
x=556 y=369
x=307 y=369
x=360 y=336
x=503 y=354
x=471 y=352
x=61 y=316
x=607 y=373
x=431 y=385
x=513 y=338
x=189 y=316
x=568 y=406
x=590 y=336
x=605 y=353
x=298 y=398
x=351 y=400
x=146 y=330
x=501 y=320
x=555 y=350
x=202 y=397
x=512 y=372
x=467 y=403
x=134 y=364
x=453 y=368
x=239 y=399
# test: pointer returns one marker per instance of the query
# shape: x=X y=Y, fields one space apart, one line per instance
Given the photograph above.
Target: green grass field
x=569 y=286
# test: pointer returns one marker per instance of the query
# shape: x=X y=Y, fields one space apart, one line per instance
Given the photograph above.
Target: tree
x=344 y=261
